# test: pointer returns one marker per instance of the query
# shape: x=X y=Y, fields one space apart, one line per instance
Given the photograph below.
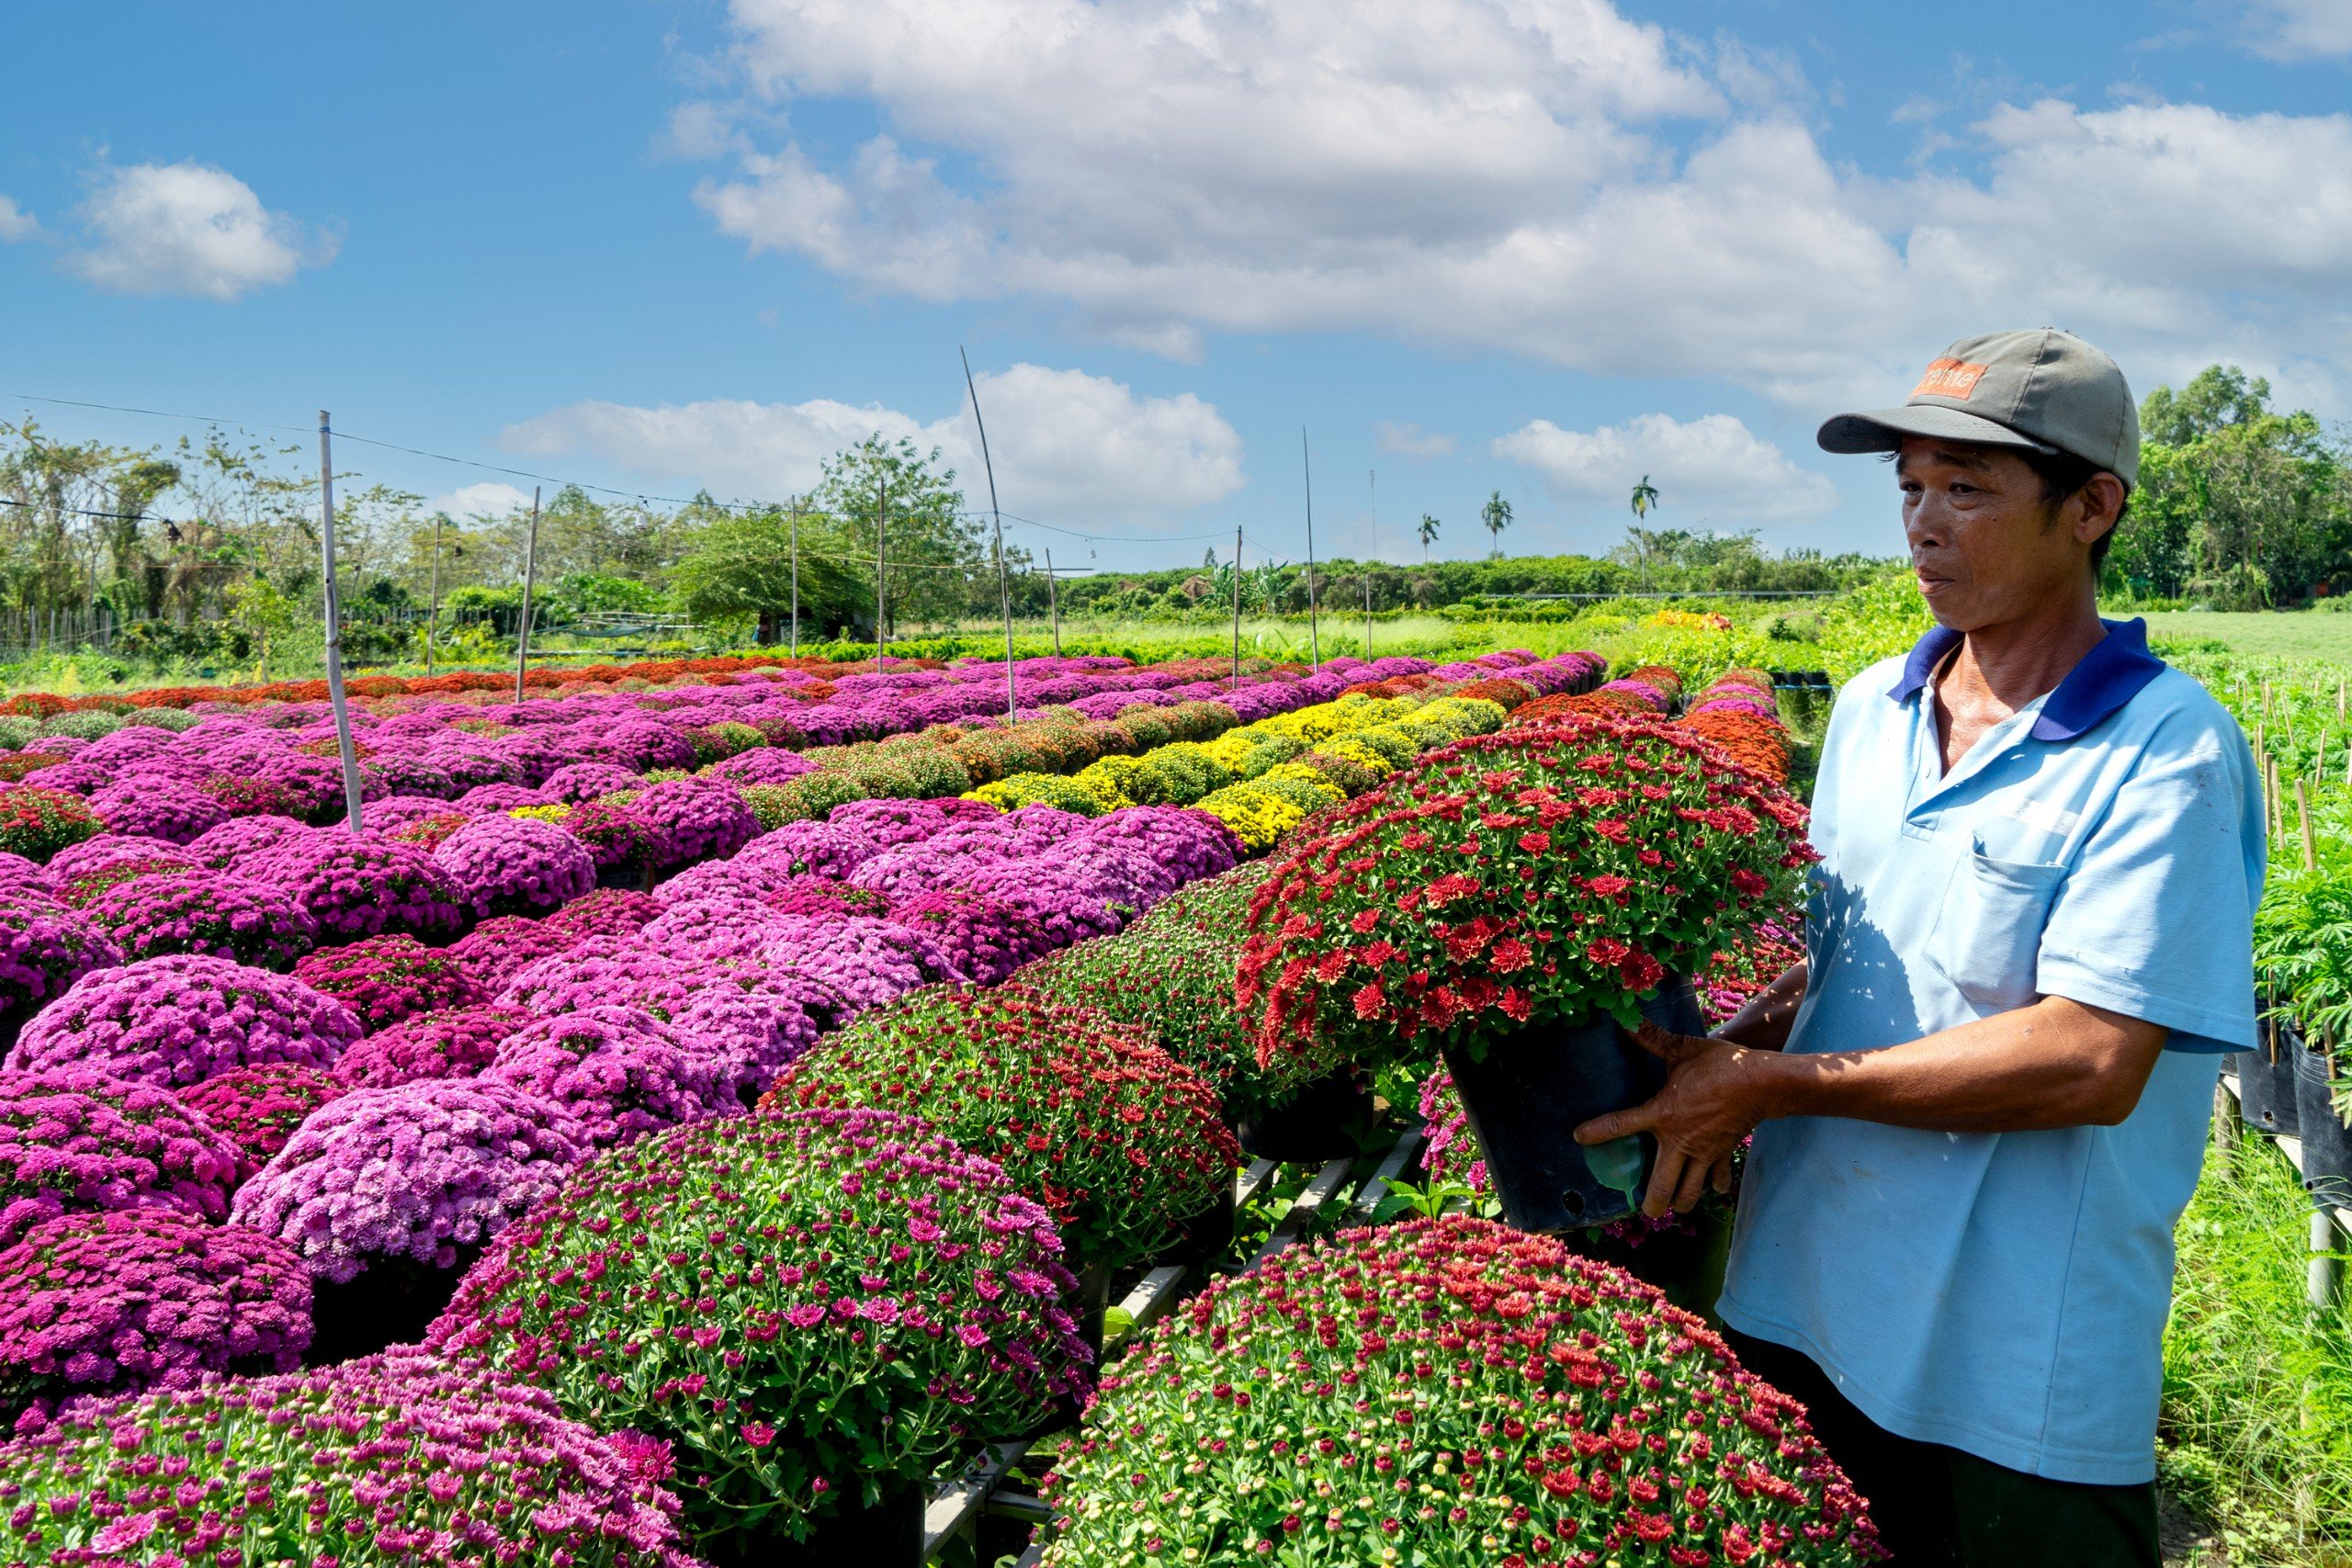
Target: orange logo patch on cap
x=1949 y=378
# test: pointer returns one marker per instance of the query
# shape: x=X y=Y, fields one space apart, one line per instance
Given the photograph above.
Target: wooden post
x=335 y=630
x=530 y=576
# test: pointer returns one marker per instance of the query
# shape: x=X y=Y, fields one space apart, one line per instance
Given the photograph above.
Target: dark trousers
x=1938 y=1507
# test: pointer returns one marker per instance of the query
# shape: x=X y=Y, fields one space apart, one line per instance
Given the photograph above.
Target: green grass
x=2257 y=1424
x=2277 y=634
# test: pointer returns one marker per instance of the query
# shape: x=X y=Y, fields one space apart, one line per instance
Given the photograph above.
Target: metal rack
x=958 y=1506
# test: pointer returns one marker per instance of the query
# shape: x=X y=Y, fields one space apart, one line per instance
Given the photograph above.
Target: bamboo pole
x=1053 y=603
x=433 y=613
x=335 y=630
x=881 y=578
x=2303 y=820
x=530 y=576
x=1003 y=583
x=1237 y=604
x=1314 y=634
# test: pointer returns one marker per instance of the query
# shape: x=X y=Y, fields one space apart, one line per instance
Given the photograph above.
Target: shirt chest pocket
x=1988 y=934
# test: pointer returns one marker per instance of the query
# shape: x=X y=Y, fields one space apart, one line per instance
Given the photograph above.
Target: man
x=1979 y=1103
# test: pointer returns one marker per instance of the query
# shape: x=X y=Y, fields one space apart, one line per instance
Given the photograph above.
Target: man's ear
x=2098 y=506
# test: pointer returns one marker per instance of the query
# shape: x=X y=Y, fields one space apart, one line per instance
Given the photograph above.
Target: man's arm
x=2056 y=1063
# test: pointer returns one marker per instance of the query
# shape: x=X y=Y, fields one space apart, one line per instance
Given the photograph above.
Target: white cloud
x=489 y=498
x=1506 y=175
x=1066 y=443
x=188 y=228
x=2299 y=30
x=1714 y=464
x=15 y=224
x=1411 y=441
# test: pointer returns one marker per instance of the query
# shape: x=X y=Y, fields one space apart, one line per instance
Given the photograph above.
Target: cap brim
x=1883 y=429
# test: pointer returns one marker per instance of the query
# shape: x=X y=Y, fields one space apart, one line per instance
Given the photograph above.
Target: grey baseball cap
x=2046 y=391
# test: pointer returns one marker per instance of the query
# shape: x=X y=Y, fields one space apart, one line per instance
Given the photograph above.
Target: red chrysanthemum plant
x=1539 y=876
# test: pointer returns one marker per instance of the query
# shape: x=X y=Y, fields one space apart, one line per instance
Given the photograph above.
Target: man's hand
x=2054 y=1063
x=1713 y=1099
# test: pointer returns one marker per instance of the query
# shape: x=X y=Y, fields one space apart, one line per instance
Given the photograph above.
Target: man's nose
x=1924 y=522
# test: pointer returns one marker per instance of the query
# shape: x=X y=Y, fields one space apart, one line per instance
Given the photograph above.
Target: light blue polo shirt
x=2005 y=1294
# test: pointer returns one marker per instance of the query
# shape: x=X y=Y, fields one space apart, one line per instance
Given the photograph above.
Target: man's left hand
x=1712 y=1099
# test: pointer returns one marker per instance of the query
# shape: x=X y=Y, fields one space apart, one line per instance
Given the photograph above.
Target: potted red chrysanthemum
x=1507 y=903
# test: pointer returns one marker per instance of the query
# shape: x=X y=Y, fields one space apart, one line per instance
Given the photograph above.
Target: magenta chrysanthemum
x=383 y=979
x=44 y=948
x=114 y=1302
x=697 y=818
x=180 y=1019
x=355 y=886
x=75 y=1139
x=203 y=912
x=428 y=1455
x=257 y=1108
x=512 y=865
x=454 y=1044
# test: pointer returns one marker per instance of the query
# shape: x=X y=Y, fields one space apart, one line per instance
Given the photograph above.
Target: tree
x=1496 y=515
x=1428 y=536
x=1645 y=497
x=2237 y=505
x=885 y=495
x=740 y=564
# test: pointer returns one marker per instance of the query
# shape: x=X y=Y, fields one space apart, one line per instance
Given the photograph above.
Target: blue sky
x=1543 y=246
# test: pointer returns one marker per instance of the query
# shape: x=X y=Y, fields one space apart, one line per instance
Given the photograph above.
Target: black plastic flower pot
x=1529 y=1090
x=1683 y=1254
x=2267 y=1082
x=1206 y=1234
x=886 y=1533
x=392 y=1303
x=1316 y=1125
x=2328 y=1142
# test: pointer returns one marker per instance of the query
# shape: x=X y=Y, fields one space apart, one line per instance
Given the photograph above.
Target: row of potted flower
x=492 y=1120
x=369 y=890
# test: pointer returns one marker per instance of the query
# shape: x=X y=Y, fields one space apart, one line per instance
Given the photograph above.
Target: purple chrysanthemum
x=621 y=1073
x=416 y=1171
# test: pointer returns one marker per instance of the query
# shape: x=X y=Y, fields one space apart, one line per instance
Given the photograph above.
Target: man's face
x=1983 y=542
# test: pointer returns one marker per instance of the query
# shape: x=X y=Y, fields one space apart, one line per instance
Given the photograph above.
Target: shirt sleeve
x=2155 y=922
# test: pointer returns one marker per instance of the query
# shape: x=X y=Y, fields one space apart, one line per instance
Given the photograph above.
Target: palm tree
x=1496 y=515
x=1645 y=497
x=1428 y=536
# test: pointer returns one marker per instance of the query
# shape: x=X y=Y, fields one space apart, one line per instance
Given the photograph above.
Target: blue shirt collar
x=2110 y=675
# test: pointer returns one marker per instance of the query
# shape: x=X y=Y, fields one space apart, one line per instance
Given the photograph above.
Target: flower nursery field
x=695 y=1112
